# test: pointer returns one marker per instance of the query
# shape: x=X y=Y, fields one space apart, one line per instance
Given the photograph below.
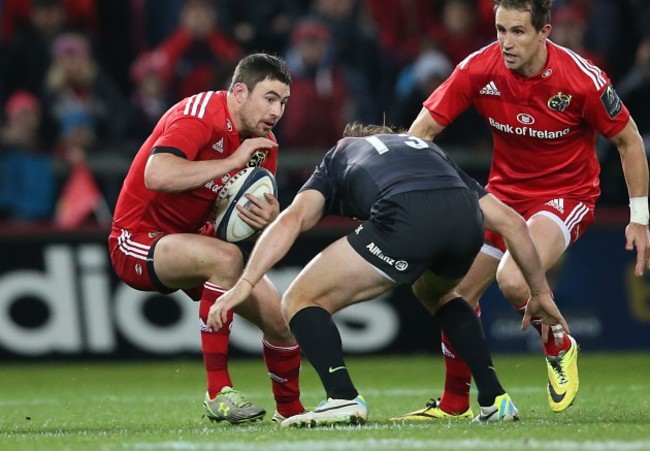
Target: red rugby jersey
x=543 y=127
x=201 y=127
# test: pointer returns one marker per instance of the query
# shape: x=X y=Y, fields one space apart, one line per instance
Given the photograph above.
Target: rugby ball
x=255 y=181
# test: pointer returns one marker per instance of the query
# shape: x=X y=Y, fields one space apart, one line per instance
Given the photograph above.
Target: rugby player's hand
x=259 y=213
x=637 y=237
x=542 y=307
x=218 y=314
x=247 y=148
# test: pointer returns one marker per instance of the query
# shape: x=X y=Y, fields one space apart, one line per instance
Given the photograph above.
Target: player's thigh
x=551 y=244
x=335 y=278
x=433 y=291
x=479 y=277
x=549 y=240
x=185 y=260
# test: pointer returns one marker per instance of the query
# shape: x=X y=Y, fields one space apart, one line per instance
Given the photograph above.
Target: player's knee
x=231 y=263
x=513 y=286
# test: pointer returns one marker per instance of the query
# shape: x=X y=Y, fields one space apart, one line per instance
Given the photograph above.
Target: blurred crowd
x=87 y=78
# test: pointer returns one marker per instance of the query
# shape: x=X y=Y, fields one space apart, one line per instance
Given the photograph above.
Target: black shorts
x=409 y=233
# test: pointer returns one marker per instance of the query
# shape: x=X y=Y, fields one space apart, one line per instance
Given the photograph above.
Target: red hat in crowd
x=21 y=100
x=310 y=30
x=151 y=63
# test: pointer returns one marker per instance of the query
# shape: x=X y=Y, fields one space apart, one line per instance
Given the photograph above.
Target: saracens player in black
x=422 y=225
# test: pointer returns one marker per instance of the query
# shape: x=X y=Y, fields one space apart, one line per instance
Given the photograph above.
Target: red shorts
x=571 y=215
x=132 y=259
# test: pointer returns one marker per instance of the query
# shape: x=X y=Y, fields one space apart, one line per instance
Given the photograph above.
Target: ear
x=240 y=91
x=545 y=31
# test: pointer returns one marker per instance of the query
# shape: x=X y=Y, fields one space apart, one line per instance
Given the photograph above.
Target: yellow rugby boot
x=563 y=379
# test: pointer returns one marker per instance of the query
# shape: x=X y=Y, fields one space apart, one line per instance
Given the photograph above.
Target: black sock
x=320 y=341
x=463 y=329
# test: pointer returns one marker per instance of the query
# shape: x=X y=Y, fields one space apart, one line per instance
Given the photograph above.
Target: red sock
x=214 y=345
x=550 y=347
x=458 y=379
x=283 y=363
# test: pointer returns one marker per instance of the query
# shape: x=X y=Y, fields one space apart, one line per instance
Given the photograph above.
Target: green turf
x=157 y=405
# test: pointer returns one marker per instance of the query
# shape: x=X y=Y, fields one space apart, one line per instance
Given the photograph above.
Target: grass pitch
x=151 y=406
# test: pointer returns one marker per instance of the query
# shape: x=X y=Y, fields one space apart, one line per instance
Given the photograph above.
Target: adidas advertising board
x=59 y=298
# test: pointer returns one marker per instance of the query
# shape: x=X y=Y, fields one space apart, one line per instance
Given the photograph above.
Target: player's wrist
x=639 y=213
x=243 y=279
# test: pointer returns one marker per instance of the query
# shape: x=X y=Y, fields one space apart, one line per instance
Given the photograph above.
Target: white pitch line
x=398 y=444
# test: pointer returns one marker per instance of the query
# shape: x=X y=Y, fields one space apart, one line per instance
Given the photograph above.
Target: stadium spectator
x=80 y=15
x=201 y=55
x=468 y=134
x=163 y=236
x=27 y=182
x=261 y=24
x=153 y=22
x=322 y=94
x=151 y=76
x=635 y=89
x=25 y=55
x=607 y=31
x=457 y=33
x=422 y=226
x=569 y=31
x=82 y=98
x=545 y=106
x=401 y=26
x=355 y=45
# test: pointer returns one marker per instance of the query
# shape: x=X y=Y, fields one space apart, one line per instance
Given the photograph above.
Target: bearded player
x=163 y=238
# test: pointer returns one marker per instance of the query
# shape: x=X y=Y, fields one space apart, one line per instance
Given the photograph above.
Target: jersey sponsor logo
x=611 y=101
x=213 y=186
x=525 y=119
x=490 y=89
x=528 y=131
x=377 y=252
x=559 y=102
x=218 y=146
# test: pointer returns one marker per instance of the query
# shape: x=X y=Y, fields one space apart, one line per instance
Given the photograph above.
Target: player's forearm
x=274 y=243
x=169 y=173
x=635 y=169
x=524 y=252
x=633 y=159
x=424 y=126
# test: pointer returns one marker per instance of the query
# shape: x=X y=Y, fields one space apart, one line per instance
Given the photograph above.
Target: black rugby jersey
x=357 y=172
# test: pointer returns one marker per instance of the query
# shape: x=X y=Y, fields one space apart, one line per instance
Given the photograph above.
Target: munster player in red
x=544 y=105
x=163 y=239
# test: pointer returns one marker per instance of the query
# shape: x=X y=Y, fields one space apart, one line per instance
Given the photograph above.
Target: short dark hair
x=257 y=67
x=540 y=10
